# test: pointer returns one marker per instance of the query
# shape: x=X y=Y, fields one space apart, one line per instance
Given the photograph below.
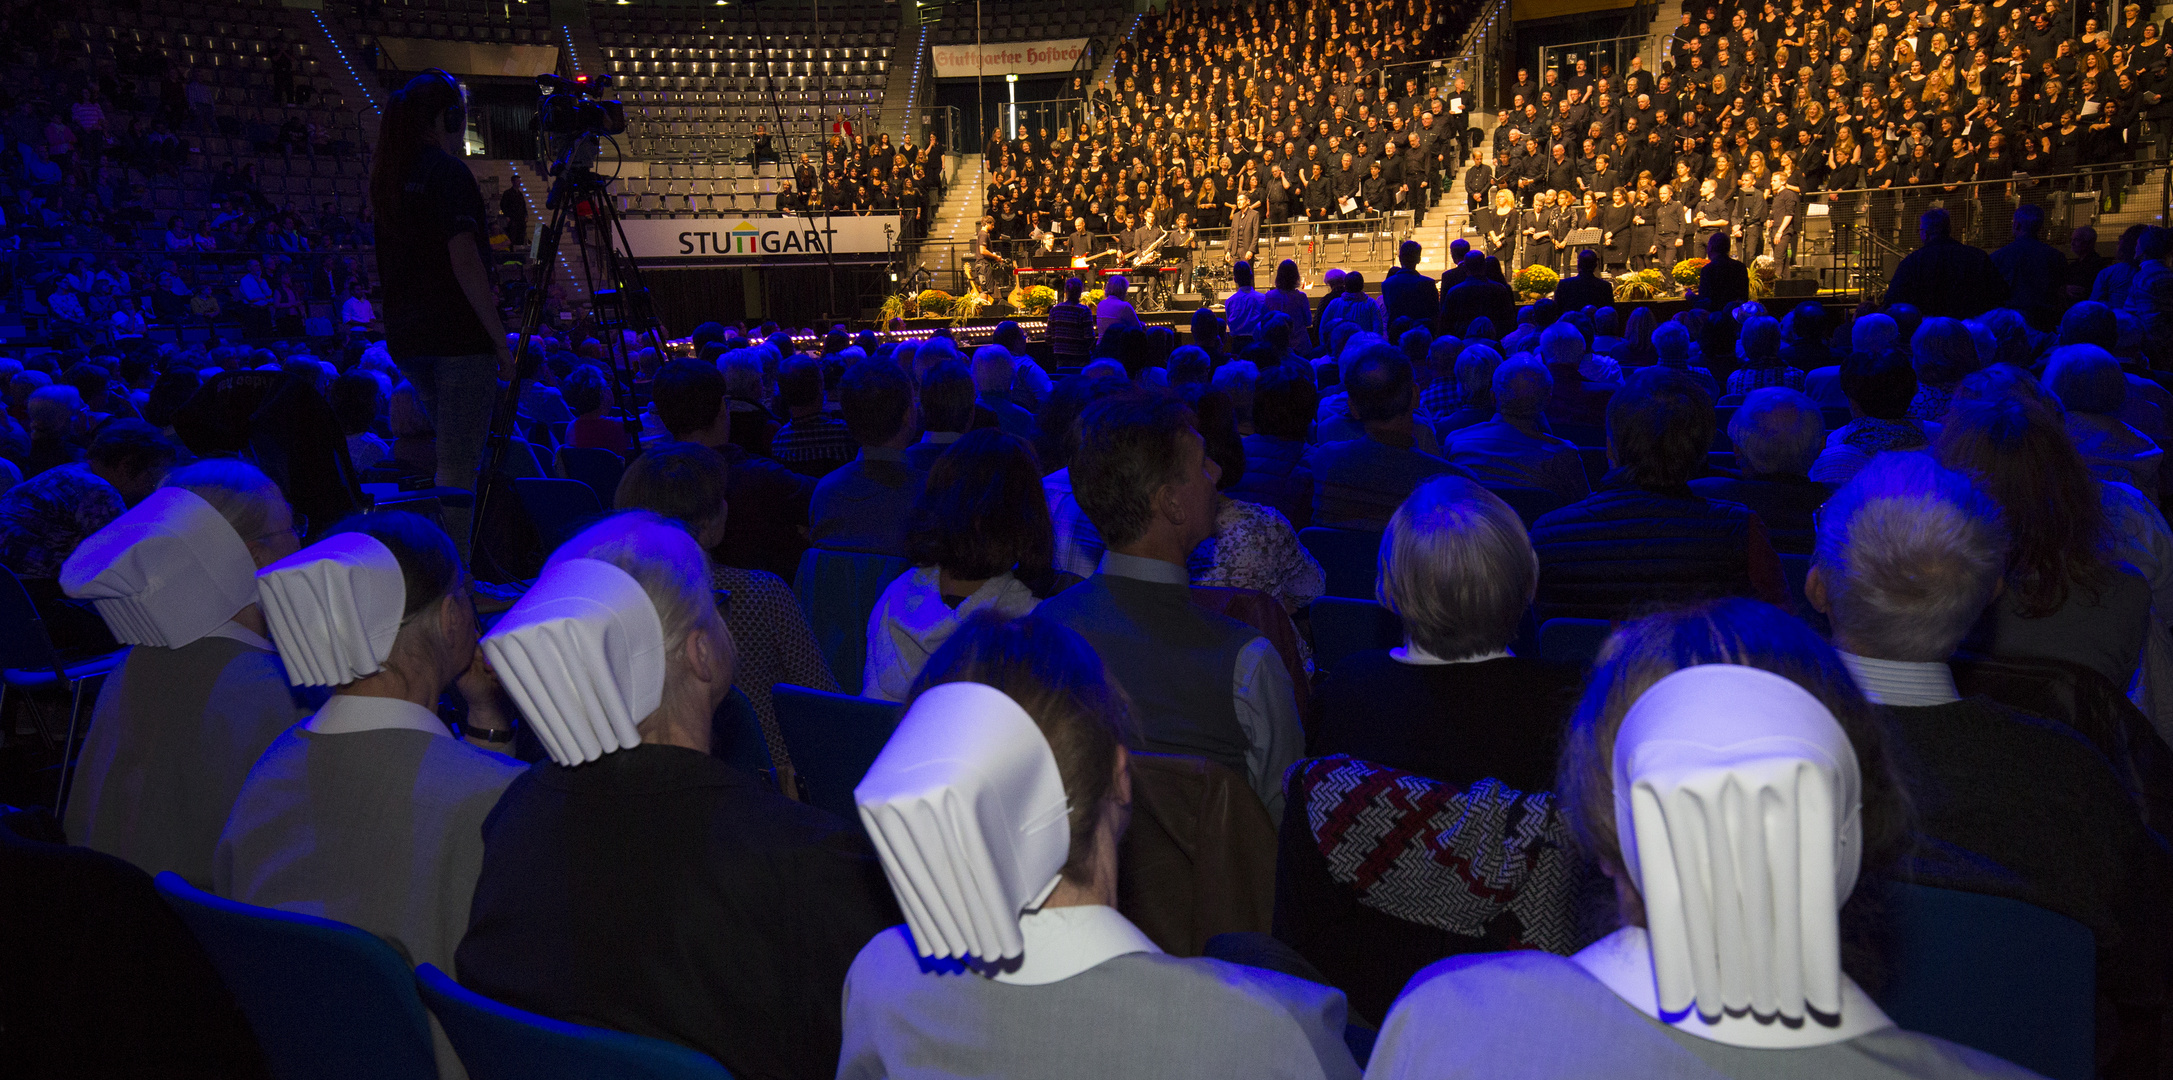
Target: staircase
x=957 y=216
x=584 y=53
x=908 y=58
x=323 y=31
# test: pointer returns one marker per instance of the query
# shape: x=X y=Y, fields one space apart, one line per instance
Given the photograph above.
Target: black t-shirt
x=426 y=314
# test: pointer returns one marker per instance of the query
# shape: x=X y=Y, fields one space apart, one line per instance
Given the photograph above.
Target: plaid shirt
x=813 y=445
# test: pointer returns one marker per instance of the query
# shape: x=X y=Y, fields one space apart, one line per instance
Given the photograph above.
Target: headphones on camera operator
x=428 y=90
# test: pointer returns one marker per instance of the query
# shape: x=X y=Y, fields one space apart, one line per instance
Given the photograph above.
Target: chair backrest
x=557 y=508
x=595 y=466
x=499 y=1042
x=24 y=641
x=1342 y=626
x=1995 y=974
x=101 y=977
x=1350 y=558
x=1199 y=857
x=1265 y=614
x=1595 y=463
x=833 y=739
x=1573 y=642
x=838 y=591
x=735 y=735
x=1531 y=504
x=327 y=1001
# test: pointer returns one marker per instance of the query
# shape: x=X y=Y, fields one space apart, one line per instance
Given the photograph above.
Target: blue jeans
x=458 y=394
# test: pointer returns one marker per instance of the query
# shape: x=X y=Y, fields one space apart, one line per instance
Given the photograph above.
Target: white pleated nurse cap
x=1738 y=807
x=334 y=608
x=166 y=572
x=967 y=810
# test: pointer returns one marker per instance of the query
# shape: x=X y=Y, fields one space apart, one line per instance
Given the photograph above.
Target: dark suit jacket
x=1948 y=278
x=1723 y=284
x=1408 y=293
x=1579 y=291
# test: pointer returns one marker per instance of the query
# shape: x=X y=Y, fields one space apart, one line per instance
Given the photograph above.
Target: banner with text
x=768 y=236
x=1011 y=58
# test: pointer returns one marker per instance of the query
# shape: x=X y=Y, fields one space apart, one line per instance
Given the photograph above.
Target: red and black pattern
x=1428 y=853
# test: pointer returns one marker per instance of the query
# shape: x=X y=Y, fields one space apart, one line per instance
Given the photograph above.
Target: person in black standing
x=515 y=208
x=440 y=309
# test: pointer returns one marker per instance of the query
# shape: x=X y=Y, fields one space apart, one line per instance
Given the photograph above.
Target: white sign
x=1011 y=58
x=760 y=236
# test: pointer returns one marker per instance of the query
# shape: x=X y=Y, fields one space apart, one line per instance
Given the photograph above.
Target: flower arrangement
x=1642 y=285
x=1535 y=281
x=1686 y=272
x=1763 y=273
x=970 y=305
x=1032 y=299
x=894 y=307
x=1091 y=297
x=935 y=302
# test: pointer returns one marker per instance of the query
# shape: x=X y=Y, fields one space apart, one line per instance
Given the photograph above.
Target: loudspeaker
x=1795 y=287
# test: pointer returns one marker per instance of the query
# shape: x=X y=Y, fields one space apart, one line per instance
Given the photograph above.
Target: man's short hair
x=1458 y=567
x=583 y=390
x=1409 y=252
x=1562 y=344
x=1190 y=364
x=1379 y=384
x=799 y=381
x=947 y=398
x=689 y=394
x=2087 y=380
x=1659 y=426
x=1777 y=432
x=1284 y=402
x=131 y=447
x=1588 y=260
x=1881 y=384
x=1934 y=224
x=1522 y=387
x=1130 y=446
x=1910 y=553
x=874 y=398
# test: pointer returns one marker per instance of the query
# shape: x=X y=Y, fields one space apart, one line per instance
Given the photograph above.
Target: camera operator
x=440 y=309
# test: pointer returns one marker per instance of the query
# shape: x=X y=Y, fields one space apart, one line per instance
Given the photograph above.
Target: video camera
x=571 y=107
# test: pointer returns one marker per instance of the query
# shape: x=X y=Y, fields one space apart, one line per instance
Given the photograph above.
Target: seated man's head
x=132 y=456
x=994 y=370
x=2087 y=380
x=876 y=400
x=55 y=411
x=1380 y=386
x=587 y=391
x=1562 y=344
x=1522 y=388
x=1909 y=553
x=1142 y=474
x=1879 y=385
x=982 y=512
x=1457 y=567
x=691 y=402
x=799 y=383
x=946 y=398
x=682 y=482
x=1659 y=426
x=1777 y=432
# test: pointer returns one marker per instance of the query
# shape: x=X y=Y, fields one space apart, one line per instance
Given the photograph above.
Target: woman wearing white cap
x=371 y=812
x=1729 y=962
x=634 y=881
x=201 y=695
x=997 y=807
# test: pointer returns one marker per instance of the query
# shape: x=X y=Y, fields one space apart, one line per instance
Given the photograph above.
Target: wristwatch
x=489 y=735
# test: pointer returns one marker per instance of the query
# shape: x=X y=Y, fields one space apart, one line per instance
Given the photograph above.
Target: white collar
x=237 y=632
x=1408 y=653
x=345 y=714
x=1063 y=941
x=1622 y=962
x=1902 y=682
x=1138 y=568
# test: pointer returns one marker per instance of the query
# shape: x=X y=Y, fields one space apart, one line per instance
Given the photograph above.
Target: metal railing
x=1604 y=54
x=1314 y=245
x=1483 y=60
x=1042 y=119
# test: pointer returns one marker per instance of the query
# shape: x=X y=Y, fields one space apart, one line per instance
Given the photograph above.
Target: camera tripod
x=619 y=300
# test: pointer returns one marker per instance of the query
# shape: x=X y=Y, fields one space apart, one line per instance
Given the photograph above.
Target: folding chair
x=29 y=662
x=833 y=739
x=1351 y=559
x=499 y=1042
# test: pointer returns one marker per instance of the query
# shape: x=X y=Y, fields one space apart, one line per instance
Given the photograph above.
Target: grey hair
x=1777 y=432
x=1459 y=569
x=675 y=575
x=1475 y=373
x=239 y=491
x=1522 y=386
x=1910 y=552
x=742 y=371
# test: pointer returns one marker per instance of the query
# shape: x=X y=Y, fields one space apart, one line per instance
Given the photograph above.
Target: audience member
x=2089 y=383
x=618 y=659
x=1514 y=449
x=864 y=504
x=1643 y=538
x=1358 y=483
x=812 y=442
x=771 y=529
x=994 y=371
x=1778 y=435
x=1014 y=959
x=1253 y=546
x=1201 y=683
x=1943 y=353
x=979 y=539
x=1880 y=384
x=946 y=411
x=202 y=694
x=1284 y=401
x=45 y=518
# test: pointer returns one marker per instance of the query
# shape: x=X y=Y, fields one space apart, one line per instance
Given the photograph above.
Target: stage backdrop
x=1010 y=58
x=768 y=237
